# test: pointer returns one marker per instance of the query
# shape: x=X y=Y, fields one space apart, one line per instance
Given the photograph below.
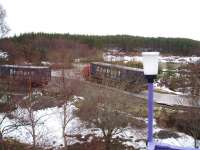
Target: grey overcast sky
x=152 y=18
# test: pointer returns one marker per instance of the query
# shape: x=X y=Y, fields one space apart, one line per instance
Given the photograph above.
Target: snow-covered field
x=49 y=130
x=164 y=59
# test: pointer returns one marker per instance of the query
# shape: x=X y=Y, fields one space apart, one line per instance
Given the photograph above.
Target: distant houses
x=117 y=55
x=113 y=55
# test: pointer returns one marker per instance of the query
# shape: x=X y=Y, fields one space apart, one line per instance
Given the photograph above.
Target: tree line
x=27 y=45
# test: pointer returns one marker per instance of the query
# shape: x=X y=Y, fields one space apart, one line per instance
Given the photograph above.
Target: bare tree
x=187 y=80
x=62 y=58
x=7 y=106
x=189 y=122
x=190 y=85
x=102 y=111
x=65 y=87
x=5 y=127
x=67 y=90
x=25 y=115
x=3 y=26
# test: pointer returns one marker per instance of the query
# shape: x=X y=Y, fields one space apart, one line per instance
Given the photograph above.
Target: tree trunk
x=33 y=124
x=1 y=142
x=107 y=143
x=64 y=125
x=64 y=140
x=195 y=143
x=34 y=137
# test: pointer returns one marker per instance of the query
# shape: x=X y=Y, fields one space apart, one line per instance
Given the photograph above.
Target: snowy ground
x=172 y=59
x=166 y=89
x=3 y=55
x=51 y=132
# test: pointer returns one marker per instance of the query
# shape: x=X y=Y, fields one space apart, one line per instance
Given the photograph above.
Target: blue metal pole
x=150 y=113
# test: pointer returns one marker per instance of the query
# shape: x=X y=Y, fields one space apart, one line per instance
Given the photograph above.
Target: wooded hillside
x=32 y=46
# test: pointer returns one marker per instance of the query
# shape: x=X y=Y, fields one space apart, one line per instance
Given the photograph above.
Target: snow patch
x=51 y=130
x=3 y=55
x=164 y=59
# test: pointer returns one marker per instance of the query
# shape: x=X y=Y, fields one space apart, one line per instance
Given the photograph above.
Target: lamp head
x=150 y=63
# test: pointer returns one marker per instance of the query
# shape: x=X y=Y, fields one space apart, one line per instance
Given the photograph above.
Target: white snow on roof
x=117 y=66
x=25 y=66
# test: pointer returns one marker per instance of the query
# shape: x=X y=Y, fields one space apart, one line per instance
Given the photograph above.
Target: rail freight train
x=36 y=75
x=126 y=78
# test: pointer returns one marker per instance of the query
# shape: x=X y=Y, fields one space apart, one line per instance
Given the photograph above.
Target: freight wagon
x=36 y=75
x=123 y=77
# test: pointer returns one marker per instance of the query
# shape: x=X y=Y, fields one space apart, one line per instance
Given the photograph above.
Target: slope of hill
x=36 y=46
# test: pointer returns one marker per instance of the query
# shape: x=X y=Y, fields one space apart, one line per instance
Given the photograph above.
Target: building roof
x=24 y=66
x=117 y=66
